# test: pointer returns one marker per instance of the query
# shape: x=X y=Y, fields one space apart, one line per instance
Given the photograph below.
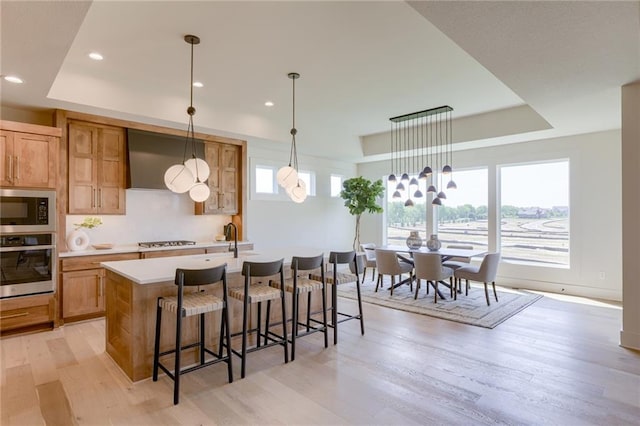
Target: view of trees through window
x=534 y=213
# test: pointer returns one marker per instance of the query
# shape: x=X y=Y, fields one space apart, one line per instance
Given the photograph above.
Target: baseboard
x=630 y=340
x=561 y=288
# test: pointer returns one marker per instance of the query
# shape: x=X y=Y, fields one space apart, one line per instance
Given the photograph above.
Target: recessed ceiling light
x=13 y=79
x=96 y=56
x=268 y=103
x=198 y=84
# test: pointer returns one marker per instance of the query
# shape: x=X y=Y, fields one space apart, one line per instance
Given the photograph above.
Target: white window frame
x=342 y=179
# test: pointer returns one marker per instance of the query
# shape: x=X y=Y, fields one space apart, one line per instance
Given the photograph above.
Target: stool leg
x=285 y=341
x=295 y=300
x=202 y=339
x=176 y=372
x=334 y=312
x=227 y=333
x=156 y=351
x=324 y=314
x=309 y=310
x=360 y=307
x=245 y=315
x=259 y=323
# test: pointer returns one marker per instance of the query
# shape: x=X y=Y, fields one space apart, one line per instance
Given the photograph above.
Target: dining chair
x=389 y=264
x=369 y=250
x=484 y=273
x=457 y=262
x=190 y=304
x=428 y=266
x=301 y=282
x=258 y=292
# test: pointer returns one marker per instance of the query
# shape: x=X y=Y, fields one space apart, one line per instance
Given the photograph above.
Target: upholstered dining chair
x=458 y=262
x=484 y=273
x=428 y=266
x=389 y=264
x=369 y=250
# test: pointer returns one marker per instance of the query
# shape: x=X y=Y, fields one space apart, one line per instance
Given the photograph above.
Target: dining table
x=444 y=252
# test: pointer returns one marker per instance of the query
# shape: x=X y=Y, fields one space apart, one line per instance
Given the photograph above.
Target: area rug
x=471 y=309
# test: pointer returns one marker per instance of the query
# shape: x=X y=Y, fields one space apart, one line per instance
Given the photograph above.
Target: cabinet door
x=229 y=179
x=35 y=160
x=212 y=157
x=82 y=292
x=83 y=171
x=111 y=170
x=6 y=158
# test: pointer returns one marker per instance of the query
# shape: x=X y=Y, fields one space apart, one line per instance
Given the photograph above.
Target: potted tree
x=360 y=195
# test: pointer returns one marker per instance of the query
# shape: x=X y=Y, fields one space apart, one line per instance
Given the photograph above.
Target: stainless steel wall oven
x=27 y=242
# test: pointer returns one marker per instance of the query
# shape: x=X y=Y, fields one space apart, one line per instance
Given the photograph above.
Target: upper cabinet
x=29 y=155
x=97 y=159
x=224 y=180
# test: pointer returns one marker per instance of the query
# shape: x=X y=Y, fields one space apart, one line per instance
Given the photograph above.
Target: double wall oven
x=27 y=242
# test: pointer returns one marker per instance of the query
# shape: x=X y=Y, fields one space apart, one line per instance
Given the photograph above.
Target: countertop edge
x=133 y=248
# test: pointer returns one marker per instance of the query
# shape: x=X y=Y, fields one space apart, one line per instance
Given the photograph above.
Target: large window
x=463 y=216
x=534 y=225
x=401 y=219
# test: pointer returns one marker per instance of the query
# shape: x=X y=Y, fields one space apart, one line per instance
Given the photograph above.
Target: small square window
x=265 y=180
x=309 y=179
x=336 y=185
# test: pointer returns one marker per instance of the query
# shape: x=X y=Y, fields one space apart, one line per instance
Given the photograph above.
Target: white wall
x=154 y=215
x=320 y=221
x=595 y=222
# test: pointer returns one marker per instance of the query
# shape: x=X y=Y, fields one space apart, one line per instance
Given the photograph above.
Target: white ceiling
x=360 y=63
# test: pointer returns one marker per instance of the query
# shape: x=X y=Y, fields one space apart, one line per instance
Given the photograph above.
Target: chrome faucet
x=227 y=234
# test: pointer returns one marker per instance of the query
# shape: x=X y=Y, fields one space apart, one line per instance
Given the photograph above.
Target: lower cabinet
x=26 y=313
x=82 y=285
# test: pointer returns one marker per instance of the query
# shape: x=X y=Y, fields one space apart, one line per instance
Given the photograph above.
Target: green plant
x=361 y=195
x=89 y=223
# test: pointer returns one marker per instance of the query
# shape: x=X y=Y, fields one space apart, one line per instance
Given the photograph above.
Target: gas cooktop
x=151 y=244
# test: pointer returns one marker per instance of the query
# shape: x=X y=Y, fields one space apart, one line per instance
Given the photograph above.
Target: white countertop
x=157 y=270
x=133 y=248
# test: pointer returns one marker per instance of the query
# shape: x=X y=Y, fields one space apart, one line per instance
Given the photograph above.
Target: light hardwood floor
x=556 y=362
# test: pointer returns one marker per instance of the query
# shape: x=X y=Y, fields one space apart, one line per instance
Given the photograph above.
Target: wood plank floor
x=556 y=362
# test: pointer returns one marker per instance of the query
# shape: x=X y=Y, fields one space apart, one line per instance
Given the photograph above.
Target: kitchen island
x=132 y=289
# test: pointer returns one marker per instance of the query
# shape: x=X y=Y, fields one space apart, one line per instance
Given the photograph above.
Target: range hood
x=151 y=154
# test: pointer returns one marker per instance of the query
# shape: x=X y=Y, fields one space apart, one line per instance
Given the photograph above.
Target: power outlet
x=601 y=275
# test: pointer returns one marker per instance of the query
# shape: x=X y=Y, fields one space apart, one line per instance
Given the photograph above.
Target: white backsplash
x=153 y=215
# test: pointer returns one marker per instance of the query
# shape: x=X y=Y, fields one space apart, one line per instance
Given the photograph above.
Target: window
x=336 y=185
x=309 y=178
x=534 y=226
x=463 y=216
x=400 y=219
x=266 y=180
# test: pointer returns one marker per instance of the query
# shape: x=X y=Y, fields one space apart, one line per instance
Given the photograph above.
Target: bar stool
x=335 y=278
x=300 y=283
x=258 y=293
x=186 y=305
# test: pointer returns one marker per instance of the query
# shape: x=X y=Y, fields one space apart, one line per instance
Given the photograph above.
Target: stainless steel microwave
x=27 y=210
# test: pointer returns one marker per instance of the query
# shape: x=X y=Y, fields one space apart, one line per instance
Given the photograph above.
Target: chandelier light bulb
x=446 y=170
x=418 y=194
x=436 y=202
x=397 y=195
x=405 y=177
x=287 y=177
x=452 y=185
x=198 y=168
x=199 y=192
x=400 y=186
x=408 y=203
x=392 y=178
x=414 y=182
x=179 y=179
x=442 y=195
x=427 y=171
x=432 y=189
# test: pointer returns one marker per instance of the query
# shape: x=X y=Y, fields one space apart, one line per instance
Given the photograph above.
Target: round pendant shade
x=198 y=168
x=287 y=177
x=179 y=178
x=199 y=192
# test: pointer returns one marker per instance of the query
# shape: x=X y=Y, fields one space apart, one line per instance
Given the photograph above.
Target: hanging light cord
x=293 y=154
x=191 y=110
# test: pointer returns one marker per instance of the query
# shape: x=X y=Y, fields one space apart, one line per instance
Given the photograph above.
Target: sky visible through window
x=536 y=185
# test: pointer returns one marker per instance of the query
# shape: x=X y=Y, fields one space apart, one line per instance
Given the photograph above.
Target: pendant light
x=287 y=176
x=192 y=173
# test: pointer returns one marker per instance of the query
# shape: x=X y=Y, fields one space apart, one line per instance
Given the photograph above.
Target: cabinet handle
x=100 y=197
x=17 y=168
x=21 y=314
x=10 y=168
x=93 y=197
x=101 y=286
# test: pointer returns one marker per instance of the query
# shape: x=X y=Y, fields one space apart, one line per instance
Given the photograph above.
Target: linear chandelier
x=191 y=174
x=421 y=145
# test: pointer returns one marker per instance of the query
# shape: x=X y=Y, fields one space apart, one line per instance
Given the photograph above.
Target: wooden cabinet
x=96 y=169
x=29 y=155
x=224 y=180
x=173 y=252
x=82 y=285
x=25 y=313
